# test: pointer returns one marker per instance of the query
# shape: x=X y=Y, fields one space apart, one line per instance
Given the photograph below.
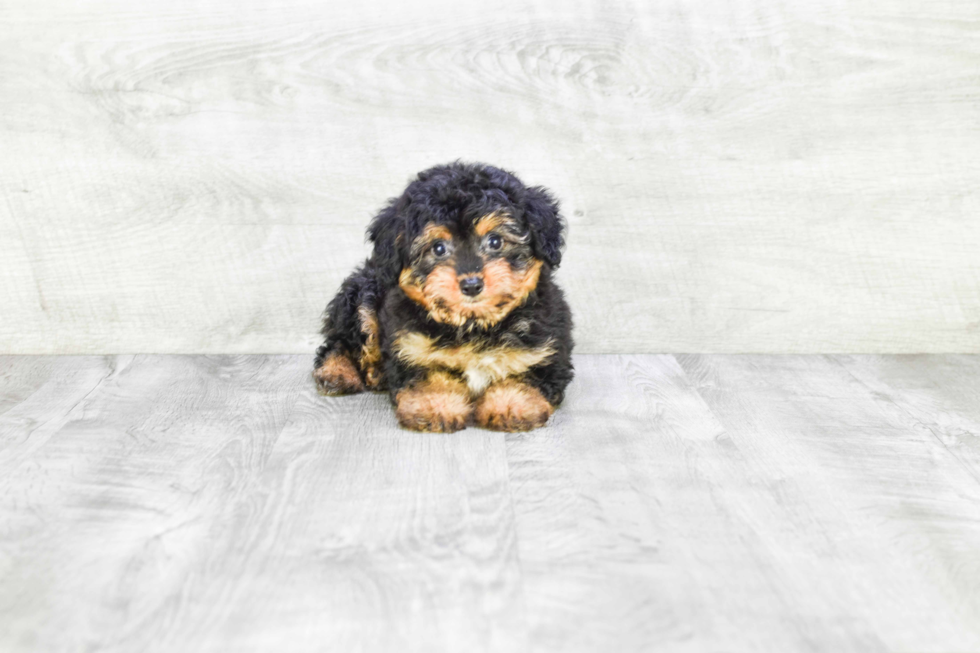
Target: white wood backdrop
x=738 y=175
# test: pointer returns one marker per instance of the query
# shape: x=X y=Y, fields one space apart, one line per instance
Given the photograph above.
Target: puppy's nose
x=471 y=286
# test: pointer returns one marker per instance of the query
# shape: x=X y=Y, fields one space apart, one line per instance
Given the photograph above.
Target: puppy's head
x=467 y=242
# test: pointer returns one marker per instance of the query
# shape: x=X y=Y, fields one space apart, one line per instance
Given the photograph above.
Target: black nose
x=471 y=286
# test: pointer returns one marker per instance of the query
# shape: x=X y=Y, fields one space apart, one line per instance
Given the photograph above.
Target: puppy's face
x=472 y=270
x=467 y=242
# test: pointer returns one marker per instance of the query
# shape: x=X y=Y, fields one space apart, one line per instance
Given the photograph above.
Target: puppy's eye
x=439 y=248
x=494 y=241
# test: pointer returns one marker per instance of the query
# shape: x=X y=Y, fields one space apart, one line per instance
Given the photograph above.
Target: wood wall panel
x=737 y=177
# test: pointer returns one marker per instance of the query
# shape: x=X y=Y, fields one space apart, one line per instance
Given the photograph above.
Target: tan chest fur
x=479 y=365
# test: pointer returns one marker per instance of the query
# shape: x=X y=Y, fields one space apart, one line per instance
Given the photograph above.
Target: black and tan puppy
x=456 y=313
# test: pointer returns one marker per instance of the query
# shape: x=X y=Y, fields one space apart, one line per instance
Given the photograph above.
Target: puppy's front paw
x=512 y=406
x=338 y=376
x=439 y=404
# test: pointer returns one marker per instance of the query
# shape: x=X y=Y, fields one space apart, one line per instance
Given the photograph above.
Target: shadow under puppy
x=455 y=313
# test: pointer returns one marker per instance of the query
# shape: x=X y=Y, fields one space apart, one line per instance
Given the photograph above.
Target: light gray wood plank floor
x=696 y=502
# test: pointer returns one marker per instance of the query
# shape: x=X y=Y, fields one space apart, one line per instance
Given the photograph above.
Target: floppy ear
x=387 y=232
x=546 y=224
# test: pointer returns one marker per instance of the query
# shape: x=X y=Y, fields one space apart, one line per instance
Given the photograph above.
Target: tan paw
x=338 y=376
x=512 y=406
x=440 y=404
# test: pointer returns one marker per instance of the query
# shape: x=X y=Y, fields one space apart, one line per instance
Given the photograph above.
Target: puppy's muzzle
x=471 y=286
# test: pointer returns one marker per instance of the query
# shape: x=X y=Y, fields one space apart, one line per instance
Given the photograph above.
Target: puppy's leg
x=349 y=359
x=336 y=375
x=512 y=405
x=552 y=379
x=436 y=402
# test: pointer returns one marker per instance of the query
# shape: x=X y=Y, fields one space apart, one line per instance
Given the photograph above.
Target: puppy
x=456 y=313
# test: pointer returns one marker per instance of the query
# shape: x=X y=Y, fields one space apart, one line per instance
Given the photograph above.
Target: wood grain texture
x=738 y=177
x=940 y=397
x=859 y=519
x=215 y=504
x=192 y=503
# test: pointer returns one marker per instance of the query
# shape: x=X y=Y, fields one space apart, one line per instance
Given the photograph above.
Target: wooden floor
x=781 y=503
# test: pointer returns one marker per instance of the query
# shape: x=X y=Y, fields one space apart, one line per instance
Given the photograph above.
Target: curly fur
x=515 y=333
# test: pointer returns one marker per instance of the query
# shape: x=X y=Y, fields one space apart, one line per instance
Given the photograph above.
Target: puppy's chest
x=481 y=364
